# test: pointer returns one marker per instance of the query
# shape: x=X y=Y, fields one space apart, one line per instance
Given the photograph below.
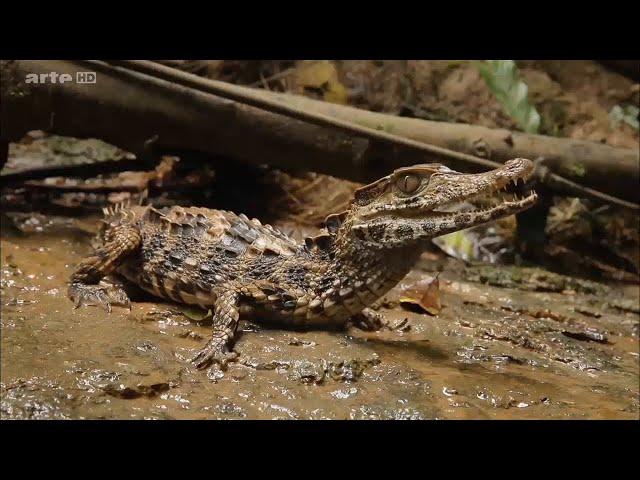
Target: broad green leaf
x=457 y=244
x=502 y=78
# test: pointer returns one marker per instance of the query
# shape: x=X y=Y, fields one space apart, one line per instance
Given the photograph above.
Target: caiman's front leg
x=84 y=288
x=225 y=322
x=372 y=321
x=369 y=320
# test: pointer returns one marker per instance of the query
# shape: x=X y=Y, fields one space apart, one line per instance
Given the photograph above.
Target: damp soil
x=498 y=349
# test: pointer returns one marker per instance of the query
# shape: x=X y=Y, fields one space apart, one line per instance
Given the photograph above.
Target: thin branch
x=276 y=76
x=84 y=170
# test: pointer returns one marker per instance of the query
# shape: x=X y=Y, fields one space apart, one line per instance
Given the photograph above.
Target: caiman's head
x=424 y=201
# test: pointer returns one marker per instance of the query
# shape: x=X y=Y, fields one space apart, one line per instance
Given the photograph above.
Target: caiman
x=235 y=265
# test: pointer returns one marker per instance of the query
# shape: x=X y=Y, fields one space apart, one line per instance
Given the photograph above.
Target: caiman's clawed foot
x=370 y=321
x=225 y=322
x=102 y=295
x=216 y=351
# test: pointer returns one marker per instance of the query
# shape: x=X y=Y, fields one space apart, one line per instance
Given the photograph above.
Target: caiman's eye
x=409 y=183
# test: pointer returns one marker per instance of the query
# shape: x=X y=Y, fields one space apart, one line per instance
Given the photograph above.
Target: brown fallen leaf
x=320 y=79
x=425 y=297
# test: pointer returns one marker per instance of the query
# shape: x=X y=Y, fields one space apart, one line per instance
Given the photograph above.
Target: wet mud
x=494 y=351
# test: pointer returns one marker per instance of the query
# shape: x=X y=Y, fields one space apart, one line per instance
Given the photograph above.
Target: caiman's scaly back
x=226 y=261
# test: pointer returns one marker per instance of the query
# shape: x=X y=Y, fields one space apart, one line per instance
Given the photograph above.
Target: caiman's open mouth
x=512 y=198
x=512 y=194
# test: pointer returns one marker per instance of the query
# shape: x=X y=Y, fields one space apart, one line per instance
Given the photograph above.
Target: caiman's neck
x=356 y=255
x=380 y=269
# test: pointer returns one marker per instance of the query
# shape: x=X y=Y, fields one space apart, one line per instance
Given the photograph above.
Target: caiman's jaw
x=508 y=187
x=425 y=201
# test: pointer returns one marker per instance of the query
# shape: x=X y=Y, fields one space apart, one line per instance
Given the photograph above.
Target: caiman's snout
x=518 y=169
x=518 y=164
x=508 y=183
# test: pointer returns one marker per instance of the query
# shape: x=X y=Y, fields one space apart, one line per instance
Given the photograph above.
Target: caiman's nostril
x=513 y=162
x=518 y=163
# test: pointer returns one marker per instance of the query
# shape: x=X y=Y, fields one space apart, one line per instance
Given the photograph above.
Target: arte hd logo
x=55 y=77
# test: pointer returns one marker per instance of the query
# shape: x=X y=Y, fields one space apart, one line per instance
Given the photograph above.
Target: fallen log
x=148 y=111
x=140 y=113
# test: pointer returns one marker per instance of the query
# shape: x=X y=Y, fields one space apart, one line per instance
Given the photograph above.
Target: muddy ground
x=509 y=343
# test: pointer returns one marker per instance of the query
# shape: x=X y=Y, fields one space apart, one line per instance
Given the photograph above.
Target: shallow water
x=491 y=353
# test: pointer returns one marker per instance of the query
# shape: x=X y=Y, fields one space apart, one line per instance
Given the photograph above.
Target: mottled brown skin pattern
x=227 y=262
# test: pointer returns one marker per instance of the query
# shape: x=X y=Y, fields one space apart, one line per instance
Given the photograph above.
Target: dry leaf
x=320 y=78
x=427 y=299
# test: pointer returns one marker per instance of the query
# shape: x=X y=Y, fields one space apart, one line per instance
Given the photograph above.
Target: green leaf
x=458 y=244
x=502 y=78
x=195 y=313
x=627 y=114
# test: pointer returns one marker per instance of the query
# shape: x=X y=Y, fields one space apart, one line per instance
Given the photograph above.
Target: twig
x=276 y=76
x=557 y=182
x=85 y=170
